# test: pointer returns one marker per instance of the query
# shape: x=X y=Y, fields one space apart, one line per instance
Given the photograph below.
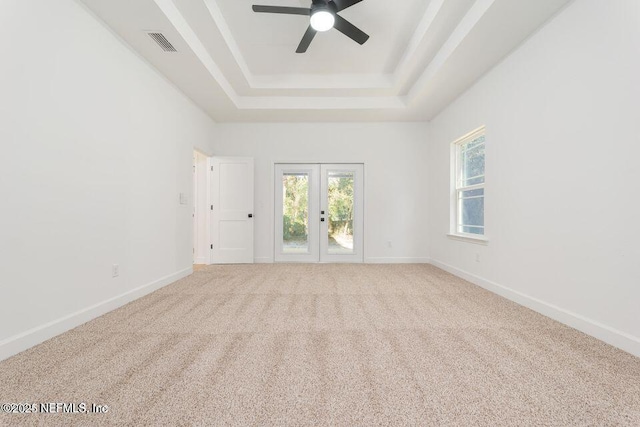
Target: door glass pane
x=340 y=215
x=295 y=213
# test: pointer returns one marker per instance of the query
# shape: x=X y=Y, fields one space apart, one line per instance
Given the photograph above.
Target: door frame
x=276 y=208
x=200 y=201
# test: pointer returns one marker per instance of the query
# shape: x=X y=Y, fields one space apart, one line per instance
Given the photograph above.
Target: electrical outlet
x=477 y=257
x=115 y=270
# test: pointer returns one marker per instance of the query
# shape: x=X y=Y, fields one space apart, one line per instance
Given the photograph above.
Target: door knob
x=250 y=215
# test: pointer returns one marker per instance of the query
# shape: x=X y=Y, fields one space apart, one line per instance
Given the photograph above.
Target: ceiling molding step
x=470 y=20
x=435 y=6
x=318 y=81
x=189 y=36
x=224 y=29
x=321 y=103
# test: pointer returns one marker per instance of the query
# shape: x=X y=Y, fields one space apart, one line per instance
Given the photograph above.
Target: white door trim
x=200 y=202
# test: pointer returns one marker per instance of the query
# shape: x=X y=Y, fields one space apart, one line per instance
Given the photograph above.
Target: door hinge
x=211 y=168
x=211 y=246
x=211 y=207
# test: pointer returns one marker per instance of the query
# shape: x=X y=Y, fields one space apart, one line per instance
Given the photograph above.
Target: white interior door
x=231 y=210
x=319 y=213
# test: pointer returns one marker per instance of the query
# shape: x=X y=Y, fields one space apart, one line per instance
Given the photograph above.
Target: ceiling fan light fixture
x=322 y=20
x=323 y=16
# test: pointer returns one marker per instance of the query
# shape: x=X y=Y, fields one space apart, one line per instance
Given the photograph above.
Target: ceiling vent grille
x=162 y=42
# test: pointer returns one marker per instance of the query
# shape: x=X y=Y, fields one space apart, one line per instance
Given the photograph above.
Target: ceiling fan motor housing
x=322 y=5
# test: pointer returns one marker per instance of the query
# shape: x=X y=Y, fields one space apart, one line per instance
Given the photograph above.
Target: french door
x=319 y=212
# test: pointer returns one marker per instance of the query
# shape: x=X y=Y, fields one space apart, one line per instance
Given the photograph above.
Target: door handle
x=250 y=215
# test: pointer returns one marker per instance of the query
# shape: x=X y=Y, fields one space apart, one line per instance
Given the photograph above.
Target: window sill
x=480 y=240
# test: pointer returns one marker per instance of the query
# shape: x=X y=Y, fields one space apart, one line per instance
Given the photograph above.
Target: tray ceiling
x=241 y=66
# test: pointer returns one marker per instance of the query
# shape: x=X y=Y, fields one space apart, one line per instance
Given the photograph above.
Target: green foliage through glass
x=295 y=209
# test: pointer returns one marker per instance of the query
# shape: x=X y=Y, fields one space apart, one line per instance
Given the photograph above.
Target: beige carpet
x=326 y=345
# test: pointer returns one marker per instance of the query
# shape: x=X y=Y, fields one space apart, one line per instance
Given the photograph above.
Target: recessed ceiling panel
x=268 y=41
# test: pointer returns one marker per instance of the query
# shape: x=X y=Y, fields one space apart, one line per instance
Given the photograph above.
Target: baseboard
x=396 y=260
x=616 y=338
x=369 y=260
x=18 y=343
x=202 y=260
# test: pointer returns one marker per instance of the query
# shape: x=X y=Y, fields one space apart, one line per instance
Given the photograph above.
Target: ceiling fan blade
x=306 y=40
x=350 y=30
x=284 y=10
x=343 y=4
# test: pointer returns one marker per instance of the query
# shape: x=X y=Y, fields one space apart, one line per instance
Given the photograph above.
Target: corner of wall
x=612 y=336
x=25 y=340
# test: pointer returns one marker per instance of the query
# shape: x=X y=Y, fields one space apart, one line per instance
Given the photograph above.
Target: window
x=468 y=194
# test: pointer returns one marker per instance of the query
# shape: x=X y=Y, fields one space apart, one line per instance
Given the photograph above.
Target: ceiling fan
x=323 y=17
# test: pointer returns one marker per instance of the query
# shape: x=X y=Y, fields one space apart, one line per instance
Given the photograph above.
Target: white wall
x=562 y=204
x=394 y=155
x=96 y=147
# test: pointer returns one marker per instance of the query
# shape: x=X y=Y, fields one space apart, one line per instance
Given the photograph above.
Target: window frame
x=457 y=187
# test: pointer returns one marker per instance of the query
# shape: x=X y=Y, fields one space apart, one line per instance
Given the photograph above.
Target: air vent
x=162 y=42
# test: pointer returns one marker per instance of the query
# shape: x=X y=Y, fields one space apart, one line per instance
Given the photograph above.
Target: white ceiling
x=241 y=66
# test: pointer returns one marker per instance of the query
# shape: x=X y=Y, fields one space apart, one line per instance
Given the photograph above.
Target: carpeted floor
x=326 y=345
